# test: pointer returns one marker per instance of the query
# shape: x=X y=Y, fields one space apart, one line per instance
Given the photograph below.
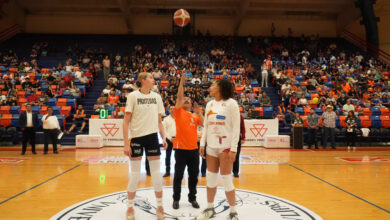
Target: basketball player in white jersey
x=144 y=109
x=221 y=134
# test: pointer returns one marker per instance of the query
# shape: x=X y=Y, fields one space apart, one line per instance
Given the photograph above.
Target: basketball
x=181 y=17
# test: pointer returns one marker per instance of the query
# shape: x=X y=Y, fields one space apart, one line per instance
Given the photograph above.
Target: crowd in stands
x=308 y=72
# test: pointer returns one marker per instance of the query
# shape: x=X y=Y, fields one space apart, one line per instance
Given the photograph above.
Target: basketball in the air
x=181 y=17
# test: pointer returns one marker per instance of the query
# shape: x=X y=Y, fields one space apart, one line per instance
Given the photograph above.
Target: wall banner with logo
x=110 y=129
x=257 y=130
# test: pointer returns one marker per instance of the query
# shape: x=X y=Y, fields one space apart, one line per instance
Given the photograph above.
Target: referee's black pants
x=189 y=158
x=50 y=135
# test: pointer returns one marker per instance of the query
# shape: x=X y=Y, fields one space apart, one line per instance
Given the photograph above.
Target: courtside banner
x=257 y=130
x=110 y=129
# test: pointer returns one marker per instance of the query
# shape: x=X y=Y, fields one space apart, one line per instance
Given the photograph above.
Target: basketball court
x=273 y=184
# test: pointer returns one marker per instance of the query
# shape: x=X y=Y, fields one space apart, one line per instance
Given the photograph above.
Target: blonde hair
x=141 y=76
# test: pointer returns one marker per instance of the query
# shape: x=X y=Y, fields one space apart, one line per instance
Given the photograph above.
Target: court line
x=12 y=197
x=322 y=180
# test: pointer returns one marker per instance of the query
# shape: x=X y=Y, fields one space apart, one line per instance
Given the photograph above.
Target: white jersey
x=221 y=125
x=145 y=109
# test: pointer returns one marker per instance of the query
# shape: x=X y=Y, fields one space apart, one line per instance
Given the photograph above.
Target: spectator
x=351 y=122
x=313 y=121
x=78 y=120
x=264 y=100
x=106 y=67
x=348 y=107
x=297 y=120
x=329 y=122
x=28 y=123
x=113 y=98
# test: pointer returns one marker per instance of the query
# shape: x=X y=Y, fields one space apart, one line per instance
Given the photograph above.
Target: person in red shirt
x=33 y=98
x=68 y=79
x=186 y=145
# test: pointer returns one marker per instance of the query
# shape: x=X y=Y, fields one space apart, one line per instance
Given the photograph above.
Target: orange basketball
x=181 y=17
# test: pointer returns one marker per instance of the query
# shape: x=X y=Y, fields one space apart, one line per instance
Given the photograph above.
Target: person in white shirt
x=264 y=75
x=170 y=132
x=347 y=107
x=221 y=134
x=106 y=67
x=51 y=128
x=143 y=112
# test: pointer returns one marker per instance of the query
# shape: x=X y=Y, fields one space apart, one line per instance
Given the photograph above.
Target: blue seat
x=52 y=102
x=45 y=88
x=329 y=84
x=268 y=111
x=376 y=111
x=338 y=124
x=300 y=110
x=61 y=119
x=56 y=110
x=82 y=88
x=14 y=110
x=38 y=76
x=299 y=78
x=217 y=72
x=255 y=103
x=376 y=122
x=36 y=109
x=254 y=83
x=233 y=72
x=318 y=111
x=67 y=95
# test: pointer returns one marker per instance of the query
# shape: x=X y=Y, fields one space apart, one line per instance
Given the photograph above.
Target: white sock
x=210 y=205
x=232 y=209
x=159 y=202
x=130 y=203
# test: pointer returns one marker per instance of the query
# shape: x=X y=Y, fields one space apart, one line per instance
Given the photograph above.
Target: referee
x=170 y=132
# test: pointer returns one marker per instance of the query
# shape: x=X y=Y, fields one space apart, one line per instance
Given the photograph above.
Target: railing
x=9 y=32
x=366 y=46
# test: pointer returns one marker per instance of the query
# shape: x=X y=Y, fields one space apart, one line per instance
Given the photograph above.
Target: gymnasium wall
x=160 y=24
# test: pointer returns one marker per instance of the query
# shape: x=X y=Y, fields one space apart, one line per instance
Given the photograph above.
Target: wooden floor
x=43 y=185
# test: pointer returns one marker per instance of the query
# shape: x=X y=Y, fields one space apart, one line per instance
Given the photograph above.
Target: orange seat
x=365 y=121
x=256 y=89
x=4 y=93
x=18 y=87
x=5 y=109
x=43 y=110
x=21 y=101
x=385 y=111
x=94 y=116
x=314 y=95
x=62 y=102
x=342 y=121
x=38 y=93
x=65 y=110
x=22 y=109
x=367 y=112
x=122 y=109
x=53 y=87
x=217 y=76
x=164 y=83
x=5 y=122
x=45 y=70
x=241 y=109
x=13 y=70
x=21 y=94
x=31 y=75
x=307 y=110
x=385 y=121
x=239 y=90
x=2 y=86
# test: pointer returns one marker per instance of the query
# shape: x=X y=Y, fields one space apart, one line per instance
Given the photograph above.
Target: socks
x=159 y=202
x=130 y=203
x=210 y=205
x=233 y=209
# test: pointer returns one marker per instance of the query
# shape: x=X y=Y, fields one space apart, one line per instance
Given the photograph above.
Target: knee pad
x=212 y=179
x=135 y=167
x=228 y=182
x=156 y=175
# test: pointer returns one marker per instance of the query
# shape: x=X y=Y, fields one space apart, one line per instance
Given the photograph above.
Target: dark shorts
x=78 y=122
x=147 y=142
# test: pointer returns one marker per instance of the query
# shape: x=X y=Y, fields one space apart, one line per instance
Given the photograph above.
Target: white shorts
x=214 y=152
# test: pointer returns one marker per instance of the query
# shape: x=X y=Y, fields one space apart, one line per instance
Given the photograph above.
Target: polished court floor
x=337 y=184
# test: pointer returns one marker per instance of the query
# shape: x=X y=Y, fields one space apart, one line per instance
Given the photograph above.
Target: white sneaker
x=232 y=216
x=349 y=148
x=206 y=214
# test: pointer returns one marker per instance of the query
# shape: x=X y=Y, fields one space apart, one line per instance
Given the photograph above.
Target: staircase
x=88 y=102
